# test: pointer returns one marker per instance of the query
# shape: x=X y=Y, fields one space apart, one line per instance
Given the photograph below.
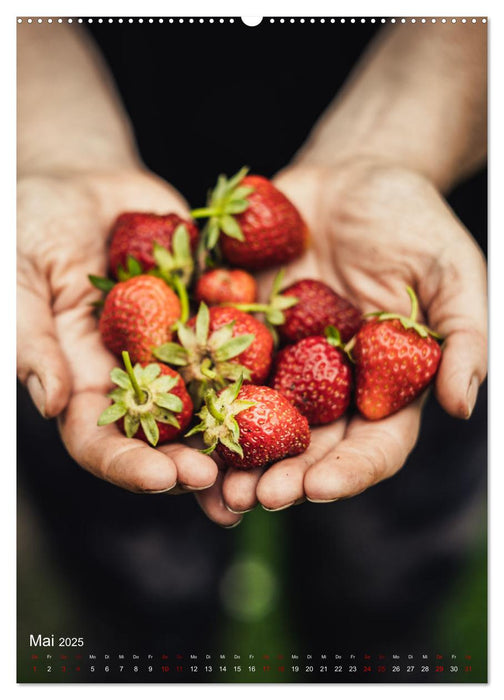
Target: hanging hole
x=251 y=21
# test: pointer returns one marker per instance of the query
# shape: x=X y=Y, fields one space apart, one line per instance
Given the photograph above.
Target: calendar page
x=252 y=350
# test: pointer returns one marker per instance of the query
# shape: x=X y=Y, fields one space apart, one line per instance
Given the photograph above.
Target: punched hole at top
x=251 y=21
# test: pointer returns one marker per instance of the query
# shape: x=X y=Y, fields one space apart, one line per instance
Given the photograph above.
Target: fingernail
x=153 y=493
x=37 y=393
x=230 y=527
x=239 y=512
x=274 y=510
x=196 y=488
x=472 y=394
x=322 y=500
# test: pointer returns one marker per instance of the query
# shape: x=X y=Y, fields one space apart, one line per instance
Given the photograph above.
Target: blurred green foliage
x=255 y=616
x=460 y=626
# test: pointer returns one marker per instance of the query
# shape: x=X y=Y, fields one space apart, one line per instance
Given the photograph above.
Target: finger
x=461 y=372
x=109 y=455
x=195 y=471
x=281 y=485
x=370 y=452
x=239 y=489
x=458 y=311
x=41 y=364
x=212 y=504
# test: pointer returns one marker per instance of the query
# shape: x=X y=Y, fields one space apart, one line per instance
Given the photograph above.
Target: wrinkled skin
x=375 y=229
x=63 y=228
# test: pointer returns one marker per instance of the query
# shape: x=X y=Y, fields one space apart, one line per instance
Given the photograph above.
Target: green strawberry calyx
x=203 y=357
x=175 y=268
x=104 y=284
x=274 y=310
x=229 y=197
x=169 y=264
x=177 y=264
x=408 y=322
x=333 y=337
x=133 y=269
x=142 y=397
x=218 y=423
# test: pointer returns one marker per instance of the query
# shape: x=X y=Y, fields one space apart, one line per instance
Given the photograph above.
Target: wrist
x=393 y=135
x=352 y=151
x=346 y=172
x=398 y=108
x=93 y=152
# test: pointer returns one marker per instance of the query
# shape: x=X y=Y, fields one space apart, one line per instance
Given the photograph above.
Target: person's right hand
x=63 y=223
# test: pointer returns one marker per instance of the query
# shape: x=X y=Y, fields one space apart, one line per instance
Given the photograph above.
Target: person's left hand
x=375 y=229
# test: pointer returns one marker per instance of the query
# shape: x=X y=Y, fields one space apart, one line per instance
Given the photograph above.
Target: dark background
x=401 y=567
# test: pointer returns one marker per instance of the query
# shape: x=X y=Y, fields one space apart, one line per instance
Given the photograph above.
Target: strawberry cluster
x=186 y=327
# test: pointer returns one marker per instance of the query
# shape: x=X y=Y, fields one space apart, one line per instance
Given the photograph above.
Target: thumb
x=41 y=365
x=458 y=312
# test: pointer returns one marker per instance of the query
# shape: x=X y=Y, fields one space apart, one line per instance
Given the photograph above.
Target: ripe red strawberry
x=318 y=306
x=220 y=286
x=218 y=346
x=150 y=401
x=262 y=227
x=257 y=356
x=395 y=359
x=306 y=308
x=135 y=233
x=315 y=376
x=138 y=315
x=251 y=426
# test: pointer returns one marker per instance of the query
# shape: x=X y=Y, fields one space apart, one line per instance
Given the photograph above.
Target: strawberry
x=315 y=376
x=262 y=227
x=219 y=286
x=395 y=359
x=151 y=402
x=218 y=346
x=306 y=308
x=138 y=315
x=251 y=426
x=142 y=237
x=318 y=306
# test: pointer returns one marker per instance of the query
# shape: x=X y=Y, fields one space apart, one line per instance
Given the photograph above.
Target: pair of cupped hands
x=375 y=228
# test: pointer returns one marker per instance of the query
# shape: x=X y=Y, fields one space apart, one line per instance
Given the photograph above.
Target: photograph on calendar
x=252 y=350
